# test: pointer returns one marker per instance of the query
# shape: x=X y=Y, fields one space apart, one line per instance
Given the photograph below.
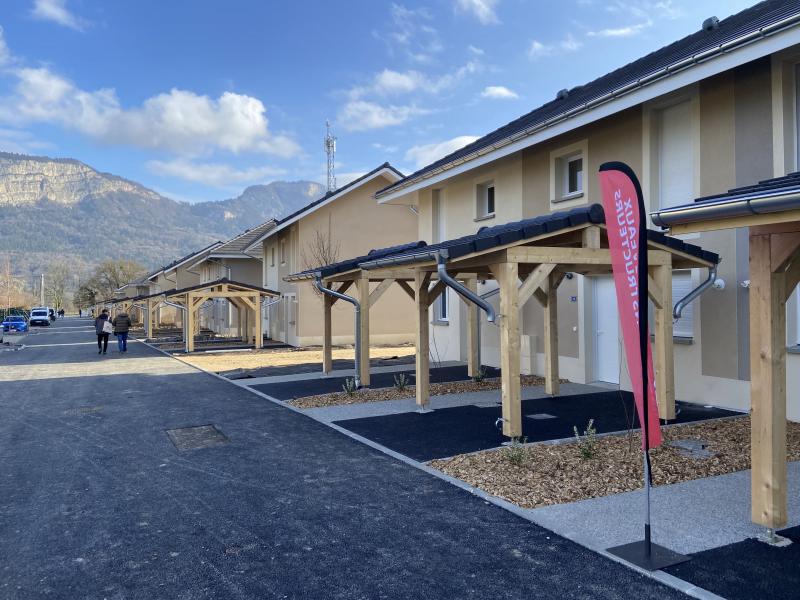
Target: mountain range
x=59 y=208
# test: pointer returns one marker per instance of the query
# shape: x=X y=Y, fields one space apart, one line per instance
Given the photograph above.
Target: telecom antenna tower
x=330 y=150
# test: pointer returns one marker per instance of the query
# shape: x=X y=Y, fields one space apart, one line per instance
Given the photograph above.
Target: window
x=573 y=176
x=441 y=307
x=283 y=252
x=682 y=285
x=566 y=172
x=272 y=259
x=438 y=217
x=485 y=200
x=675 y=155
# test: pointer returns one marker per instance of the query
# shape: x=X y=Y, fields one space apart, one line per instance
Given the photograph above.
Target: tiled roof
x=500 y=235
x=736 y=26
x=200 y=286
x=239 y=244
x=182 y=259
x=776 y=185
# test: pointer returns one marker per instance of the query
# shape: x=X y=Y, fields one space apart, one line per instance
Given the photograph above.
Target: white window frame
x=283 y=251
x=684 y=327
x=272 y=260
x=482 y=199
x=560 y=160
x=442 y=312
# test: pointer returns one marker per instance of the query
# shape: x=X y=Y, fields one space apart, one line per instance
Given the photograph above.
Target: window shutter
x=682 y=285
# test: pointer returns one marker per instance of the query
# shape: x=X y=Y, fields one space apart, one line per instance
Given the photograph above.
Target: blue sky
x=198 y=99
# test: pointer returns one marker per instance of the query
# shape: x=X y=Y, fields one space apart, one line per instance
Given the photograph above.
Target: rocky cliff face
x=27 y=180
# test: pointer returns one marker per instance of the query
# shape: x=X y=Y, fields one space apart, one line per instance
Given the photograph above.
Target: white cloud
x=538 y=50
x=361 y=115
x=475 y=50
x=412 y=34
x=178 y=121
x=387 y=149
x=427 y=153
x=22 y=142
x=627 y=31
x=56 y=11
x=5 y=53
x=212 y=174
x=483 y=10
x=499 y=92
x=394 y=82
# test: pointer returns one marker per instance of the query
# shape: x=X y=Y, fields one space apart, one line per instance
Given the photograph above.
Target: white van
x=40 y=315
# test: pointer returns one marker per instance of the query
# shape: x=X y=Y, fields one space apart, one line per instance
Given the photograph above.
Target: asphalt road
x=97 y=502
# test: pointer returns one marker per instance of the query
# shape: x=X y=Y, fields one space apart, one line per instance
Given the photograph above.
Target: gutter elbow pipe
x=329 y=292
x=691 y=296
x=184 y=324
x=461 y=290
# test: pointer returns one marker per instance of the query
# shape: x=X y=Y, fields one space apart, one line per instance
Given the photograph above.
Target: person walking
x=102 y=327
x=122 y=323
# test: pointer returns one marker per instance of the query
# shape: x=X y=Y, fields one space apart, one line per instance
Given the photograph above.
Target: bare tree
x=56 y=279
x=12 y=287
x=321 y=250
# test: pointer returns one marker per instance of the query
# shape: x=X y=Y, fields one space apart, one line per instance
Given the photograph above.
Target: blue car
x=15 y=324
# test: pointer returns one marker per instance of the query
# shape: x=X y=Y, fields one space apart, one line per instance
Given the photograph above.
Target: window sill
x=483 y=218
x=793 y=350
x=568 y=197
x=440 y=323
x=679 y=340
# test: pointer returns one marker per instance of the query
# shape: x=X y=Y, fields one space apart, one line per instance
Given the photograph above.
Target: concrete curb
x=669 y=580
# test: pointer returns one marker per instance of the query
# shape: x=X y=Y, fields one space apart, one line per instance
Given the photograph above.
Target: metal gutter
x=614 y=94
x=357 y=305
x=727 y=208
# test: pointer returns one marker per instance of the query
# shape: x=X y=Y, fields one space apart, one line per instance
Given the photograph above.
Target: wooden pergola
x=774 y=245
x=532 y=265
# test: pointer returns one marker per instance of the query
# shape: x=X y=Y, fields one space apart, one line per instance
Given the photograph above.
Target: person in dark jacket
x=102 y=336
x=122 y=323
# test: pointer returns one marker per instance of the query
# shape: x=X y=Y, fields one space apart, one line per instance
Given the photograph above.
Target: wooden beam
x=783 y=247
x=664 y=350
x=654 y=291
x=363 y=299
x=767 y=387
x=327 y=333
x=590 y=237
x=190 y=322
x=379 y=290
x=534 y=281
x=341 y=289
x=406 y=288
x=436 y=291
x=551 y=376
x=793 y=275
x=574 y=256
x=507 y=275
x=422 y=367
x=473 y=335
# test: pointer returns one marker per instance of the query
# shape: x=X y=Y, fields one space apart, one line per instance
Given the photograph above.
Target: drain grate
x=83 y=410
x=193 y=438
x=541 y=416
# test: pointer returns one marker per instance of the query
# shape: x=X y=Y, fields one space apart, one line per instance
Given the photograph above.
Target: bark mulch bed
x=542 y=474
x=394 y=393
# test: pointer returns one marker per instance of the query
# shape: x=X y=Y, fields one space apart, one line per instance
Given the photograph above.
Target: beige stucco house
x=716 y=110
x=231 y=260
x=341 y=224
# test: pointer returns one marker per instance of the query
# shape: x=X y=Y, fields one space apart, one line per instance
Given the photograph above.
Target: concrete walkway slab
x=686 y=517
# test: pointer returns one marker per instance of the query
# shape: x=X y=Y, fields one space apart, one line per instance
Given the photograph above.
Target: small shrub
x=401 y=381
x=515 y=451
x=480 y=375
x=587 y=443
x=349 y=386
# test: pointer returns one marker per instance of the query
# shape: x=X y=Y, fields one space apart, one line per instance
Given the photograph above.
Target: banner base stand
x=659 y=557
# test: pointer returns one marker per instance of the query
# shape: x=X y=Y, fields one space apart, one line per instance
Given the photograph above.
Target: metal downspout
x=460 y=289
x=184 y=324
x=688 y=298
x=357 y=305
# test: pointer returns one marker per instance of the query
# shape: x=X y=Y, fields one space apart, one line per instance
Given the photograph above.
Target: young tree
x=321 y=250
x=56 y=281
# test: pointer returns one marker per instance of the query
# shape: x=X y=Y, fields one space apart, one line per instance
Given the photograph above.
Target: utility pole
x=330 y=150
x=41 y=291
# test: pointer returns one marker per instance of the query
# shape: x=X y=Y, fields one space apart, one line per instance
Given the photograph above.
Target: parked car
x=15 y=323
x=40 y=316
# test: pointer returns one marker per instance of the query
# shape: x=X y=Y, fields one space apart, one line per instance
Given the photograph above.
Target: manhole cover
x=541 y=416
x=192 y=438
x=83 y=410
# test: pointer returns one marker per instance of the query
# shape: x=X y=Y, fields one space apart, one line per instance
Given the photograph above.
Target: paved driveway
x=97 y=502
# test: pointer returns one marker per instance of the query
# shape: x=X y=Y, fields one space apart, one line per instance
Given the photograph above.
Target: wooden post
x=421 y=281
x=363 y=299
x=257 y=324
x=507 y=275
x=190 y=324
x=767 y=386
x=327 y=334
x=551 y=376
x=473 y=336
x=664 y=355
